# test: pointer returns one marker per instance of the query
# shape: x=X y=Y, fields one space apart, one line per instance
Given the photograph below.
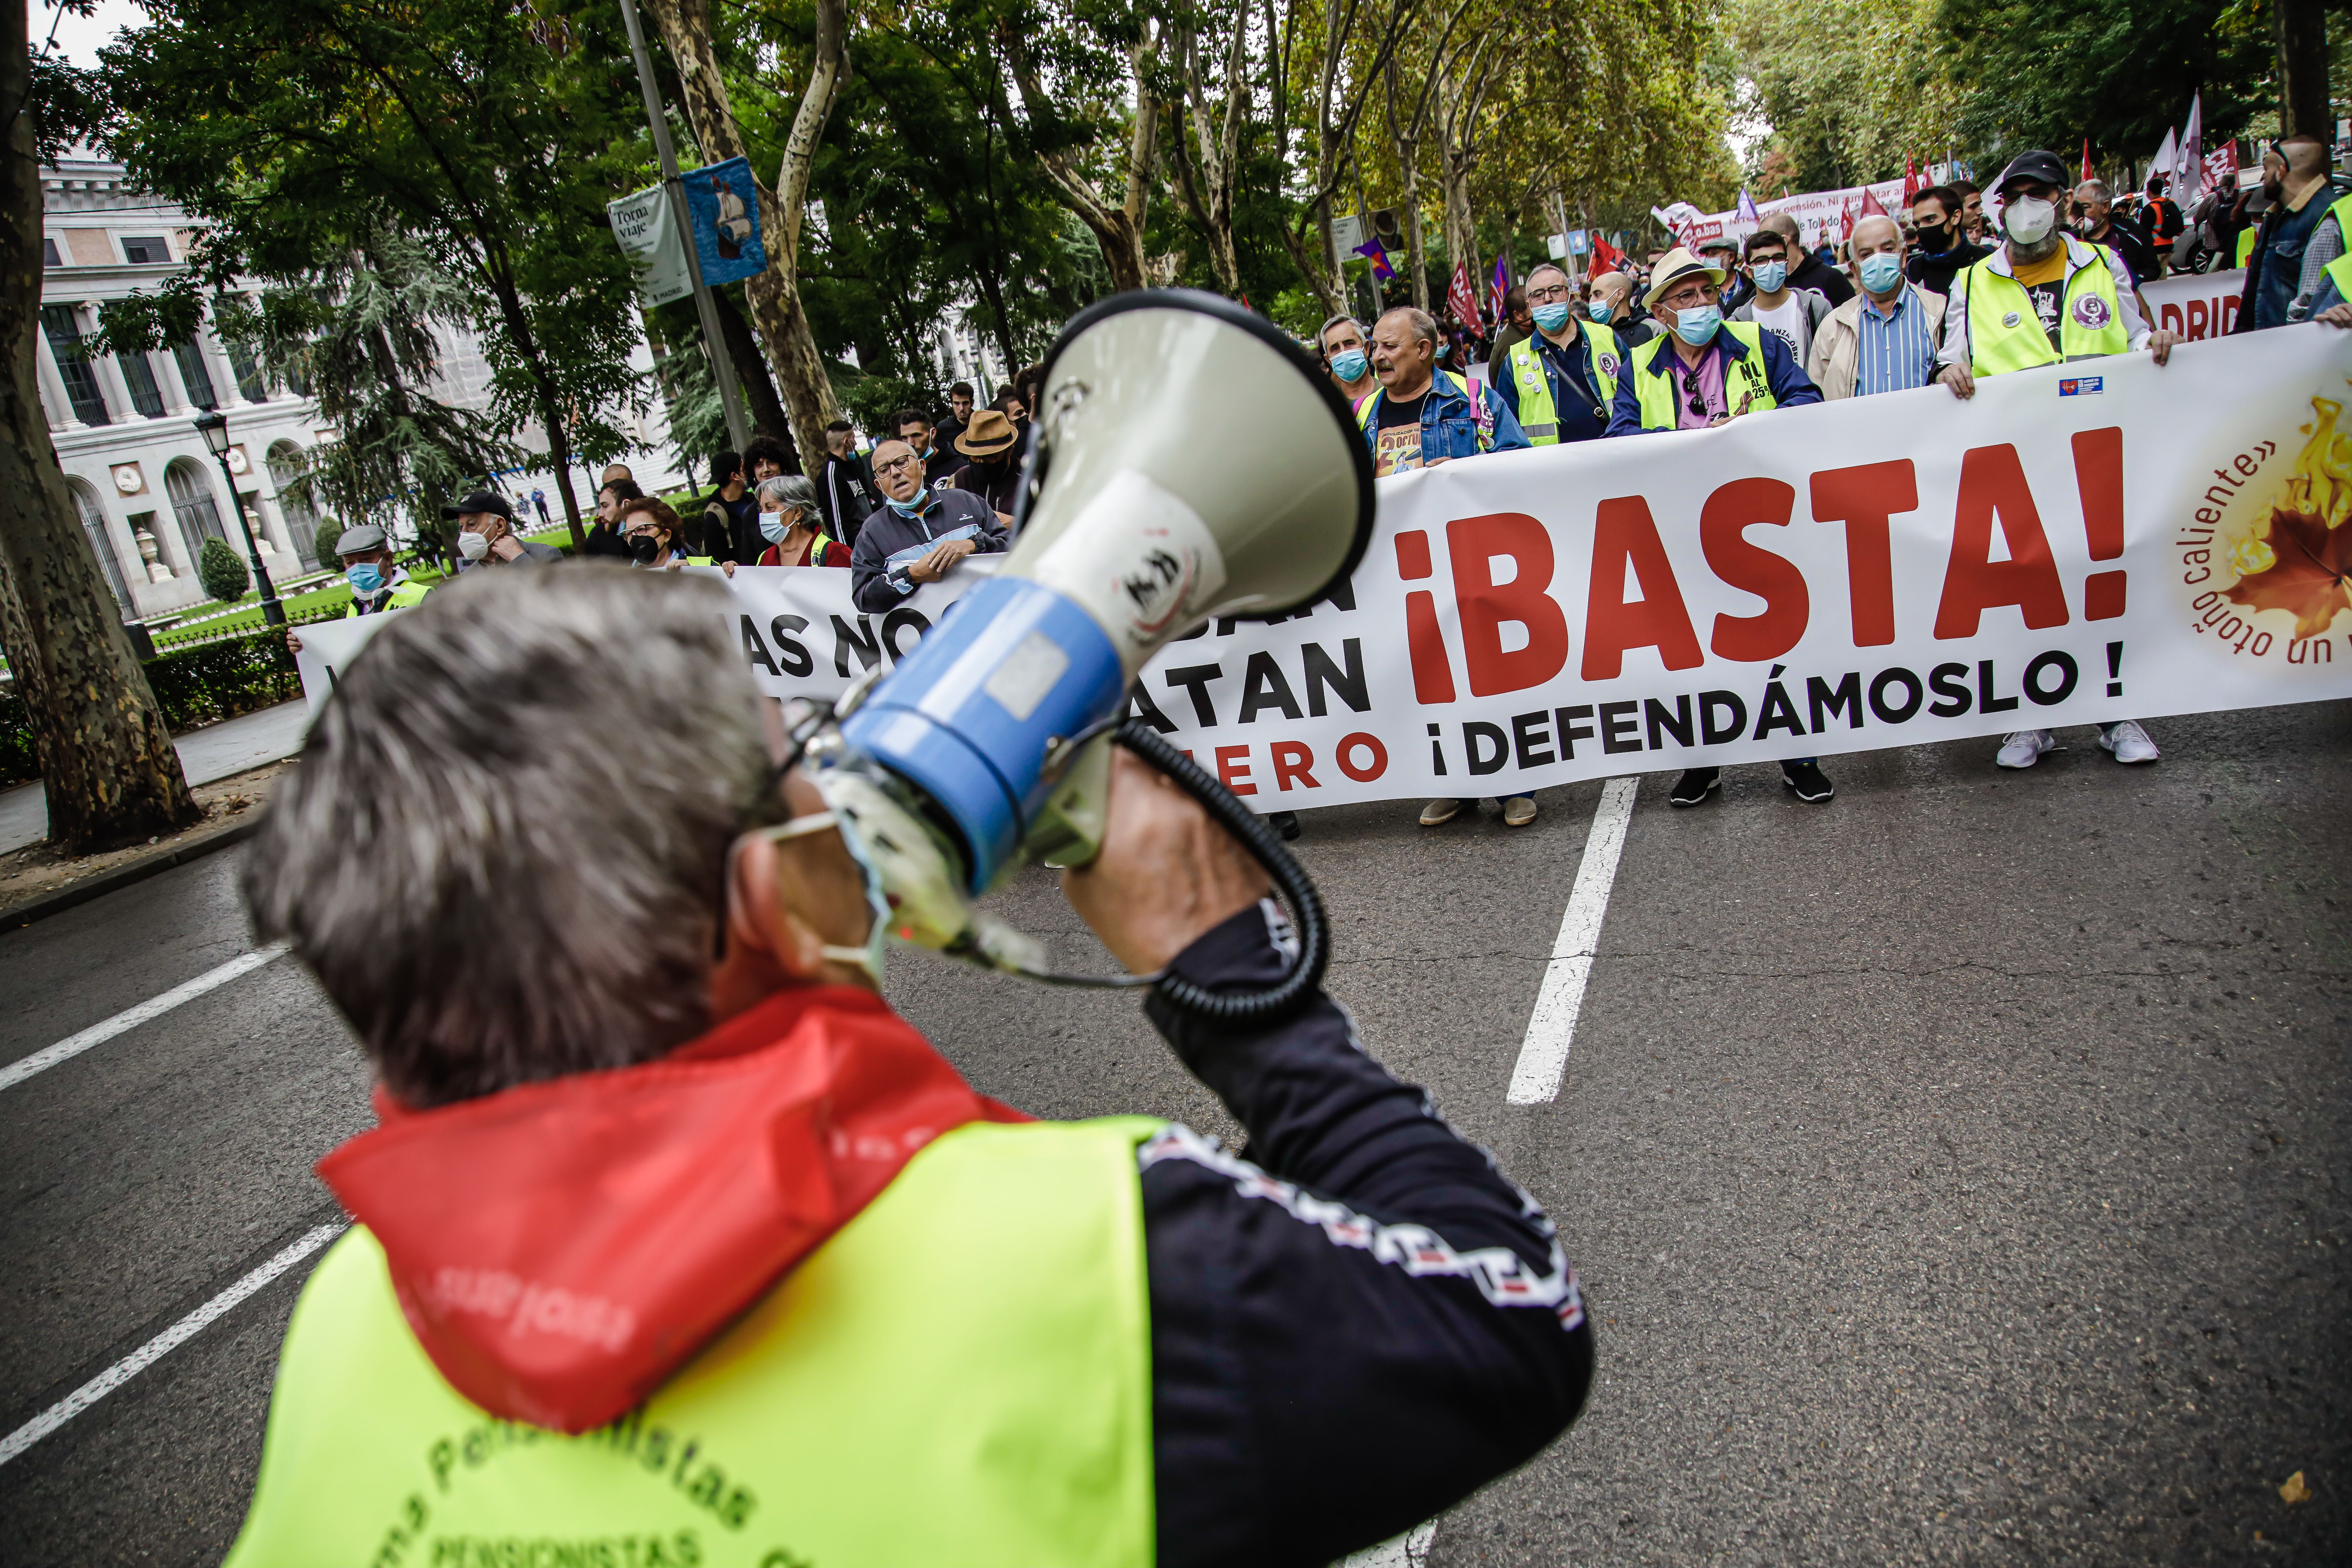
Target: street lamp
x=214 y=425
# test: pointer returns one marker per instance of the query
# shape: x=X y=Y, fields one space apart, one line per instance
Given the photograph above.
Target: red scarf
x=561 y=1249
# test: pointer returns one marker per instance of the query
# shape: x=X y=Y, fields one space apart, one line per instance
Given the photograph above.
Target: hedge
x=201 y=686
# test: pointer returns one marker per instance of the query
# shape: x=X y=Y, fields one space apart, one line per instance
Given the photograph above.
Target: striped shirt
x=1895 y=353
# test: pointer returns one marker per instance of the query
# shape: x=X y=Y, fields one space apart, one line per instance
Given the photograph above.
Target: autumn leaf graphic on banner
x=2309 y=564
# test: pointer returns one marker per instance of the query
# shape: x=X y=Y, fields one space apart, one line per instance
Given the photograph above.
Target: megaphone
x=1187 y=460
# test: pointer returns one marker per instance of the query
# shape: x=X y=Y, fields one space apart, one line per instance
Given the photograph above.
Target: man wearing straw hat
x=993 y=473
x=1702 y=370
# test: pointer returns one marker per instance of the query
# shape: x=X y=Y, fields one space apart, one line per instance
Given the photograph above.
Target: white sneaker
x=2128 y=742
x=2024 y=748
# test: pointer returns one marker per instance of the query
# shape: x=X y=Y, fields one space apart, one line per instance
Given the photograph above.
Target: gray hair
x=789 y=491
x=502 y=863
x=2094 y=191
x=1323 y=335
x=1423 y=325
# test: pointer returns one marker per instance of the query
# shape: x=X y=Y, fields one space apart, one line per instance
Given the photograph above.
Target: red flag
x=1606 y=257
x=1461 y=298
x=2086 y=158
x=1870 y=208
x=1910 y=181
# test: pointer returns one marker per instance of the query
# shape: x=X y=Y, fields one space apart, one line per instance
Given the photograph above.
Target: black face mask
x=1933 y=237
x=644 y=547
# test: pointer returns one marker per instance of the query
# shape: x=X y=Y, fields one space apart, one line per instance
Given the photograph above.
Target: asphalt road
x=1957 y=1172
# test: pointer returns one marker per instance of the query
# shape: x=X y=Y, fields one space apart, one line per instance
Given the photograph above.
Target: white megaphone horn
x=1187 y=460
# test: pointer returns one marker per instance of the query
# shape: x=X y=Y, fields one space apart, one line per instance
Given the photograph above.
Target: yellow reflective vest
x=2005 y=333
x=2339 y=271
x=1538 y=414
x=961 y=1375
x=1746 y=384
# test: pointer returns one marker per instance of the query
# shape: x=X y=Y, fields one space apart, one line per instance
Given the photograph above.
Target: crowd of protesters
x=1943 y=292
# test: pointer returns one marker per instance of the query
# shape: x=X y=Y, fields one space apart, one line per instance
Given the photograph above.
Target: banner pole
x=706 y=308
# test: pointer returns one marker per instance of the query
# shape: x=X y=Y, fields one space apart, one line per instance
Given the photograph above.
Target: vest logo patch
x=2091 y=311
x=1608 y=364
x=2011 y=319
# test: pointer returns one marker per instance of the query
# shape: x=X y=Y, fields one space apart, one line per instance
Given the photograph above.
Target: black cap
x=480 y=500
x=2037 y=165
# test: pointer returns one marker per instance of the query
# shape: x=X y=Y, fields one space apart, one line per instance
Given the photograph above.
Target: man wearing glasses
x=918 y=535
x=1702 y=370
x=1559 y=382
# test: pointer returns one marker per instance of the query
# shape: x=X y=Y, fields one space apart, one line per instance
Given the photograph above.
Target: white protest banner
x=2195 y=304
x=327 y=649
x=2074 y=545
x=644 y=226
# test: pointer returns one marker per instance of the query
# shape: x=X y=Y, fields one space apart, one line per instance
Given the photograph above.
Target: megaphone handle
x=1244 y=1009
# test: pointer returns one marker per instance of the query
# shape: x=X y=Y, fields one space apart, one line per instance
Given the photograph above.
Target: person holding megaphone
x=675 y=1243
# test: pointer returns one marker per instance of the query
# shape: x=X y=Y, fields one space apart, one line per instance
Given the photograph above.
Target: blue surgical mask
x=1349 y=366
x=1598 y=310
x=911 y=509
x=1553 y=317
x=1695 y=324
x=1771 y=277
x=364 y=578
x=877 y=905
x=772 y=527
x=1880 y=272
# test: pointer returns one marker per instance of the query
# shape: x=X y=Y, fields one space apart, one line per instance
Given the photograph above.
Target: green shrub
x=222 y=575
x=322 y=544
x=201 y=686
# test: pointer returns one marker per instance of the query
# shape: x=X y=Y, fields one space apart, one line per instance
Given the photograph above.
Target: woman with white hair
x=788 y=521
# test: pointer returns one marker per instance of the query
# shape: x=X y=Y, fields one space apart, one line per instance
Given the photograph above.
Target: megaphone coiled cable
x=1243 y=1009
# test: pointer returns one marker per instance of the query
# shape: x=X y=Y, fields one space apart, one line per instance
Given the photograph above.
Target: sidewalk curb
x=57 y=901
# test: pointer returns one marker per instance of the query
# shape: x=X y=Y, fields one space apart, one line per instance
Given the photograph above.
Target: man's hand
x=727 y=567
x=938 y=563
x=2336 y=316
x=1167 y=874
x=1956 y=377
x=293 y=643
x=2161 y=342
x=506 y=547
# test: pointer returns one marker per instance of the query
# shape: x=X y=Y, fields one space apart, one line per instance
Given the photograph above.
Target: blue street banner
x=723 y=205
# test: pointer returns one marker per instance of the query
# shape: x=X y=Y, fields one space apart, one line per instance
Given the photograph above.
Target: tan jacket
x=1837 y=341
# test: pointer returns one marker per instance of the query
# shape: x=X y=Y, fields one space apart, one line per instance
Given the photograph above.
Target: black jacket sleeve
x=1356 y=1326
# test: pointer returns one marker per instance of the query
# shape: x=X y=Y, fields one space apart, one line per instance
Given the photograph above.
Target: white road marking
x=162 y=1344
x=1543 y=1055
x=17 y=1071
x=1410 y=1550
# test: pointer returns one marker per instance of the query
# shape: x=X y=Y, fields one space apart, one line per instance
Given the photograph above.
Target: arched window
x=191 y=502
x=93 y=523
x=285 y=461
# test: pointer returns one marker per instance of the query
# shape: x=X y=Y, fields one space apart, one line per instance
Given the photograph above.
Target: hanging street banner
x=2076 y=544
x=724 y=206
x=643 y=227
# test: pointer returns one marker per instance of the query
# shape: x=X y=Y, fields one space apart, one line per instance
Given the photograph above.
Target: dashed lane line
x=164 y=1343
x=1543 y=1055
x=98 y=1034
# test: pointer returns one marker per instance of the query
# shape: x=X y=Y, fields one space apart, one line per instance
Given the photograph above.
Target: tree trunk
x=751 y=370
x=1117 y=230
x=104 y=750
x=773 y=295
x=2303 y=70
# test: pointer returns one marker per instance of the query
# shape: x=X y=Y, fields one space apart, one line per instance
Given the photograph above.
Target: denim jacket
x=1449 y=426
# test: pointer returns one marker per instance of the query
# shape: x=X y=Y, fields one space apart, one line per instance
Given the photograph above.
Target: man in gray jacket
x=918 y=535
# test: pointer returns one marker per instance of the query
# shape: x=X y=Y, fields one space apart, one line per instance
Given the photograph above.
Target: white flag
x=2165 y=157
x=2189 y=157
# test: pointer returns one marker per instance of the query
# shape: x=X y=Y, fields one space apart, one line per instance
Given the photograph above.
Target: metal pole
x=273 y=614
x=714 y=341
